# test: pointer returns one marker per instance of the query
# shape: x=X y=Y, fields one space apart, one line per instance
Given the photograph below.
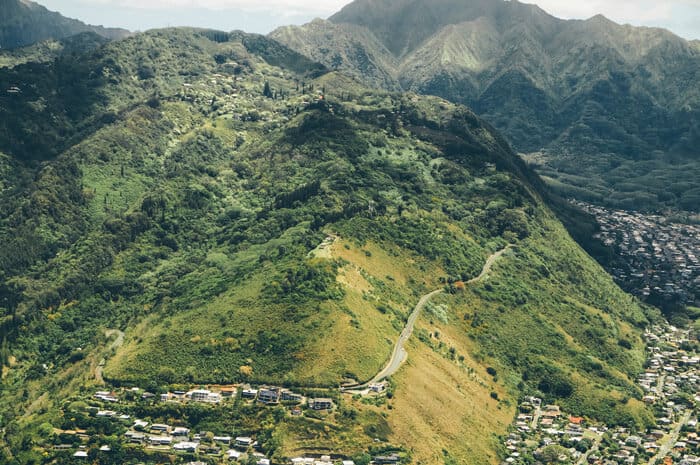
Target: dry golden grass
x=440 y=405
x=360 y=341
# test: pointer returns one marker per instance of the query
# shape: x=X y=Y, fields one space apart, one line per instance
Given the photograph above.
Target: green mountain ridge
x=609 y=112
x=49 y=50
x=180 y=196
x=24 y=22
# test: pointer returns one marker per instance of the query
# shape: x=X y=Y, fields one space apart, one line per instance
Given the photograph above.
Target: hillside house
x=249 y=393
x=243 y=442
x=289 y=396
x=321 y=403
x=269 y=395
x=190 y=447
x=223 y=439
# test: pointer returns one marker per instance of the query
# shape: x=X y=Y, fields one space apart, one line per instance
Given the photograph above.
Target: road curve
x=399 y=355
x=116 y=343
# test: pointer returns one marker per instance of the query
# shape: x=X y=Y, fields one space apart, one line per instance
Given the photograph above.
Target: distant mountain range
x=608 y=112
x=24 y=22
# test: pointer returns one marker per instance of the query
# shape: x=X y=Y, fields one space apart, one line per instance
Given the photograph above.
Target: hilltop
x=244 y=214
x=605 y=112
x=24 y=22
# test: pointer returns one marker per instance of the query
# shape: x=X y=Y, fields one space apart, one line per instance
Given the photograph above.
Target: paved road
x=489 y=263
x=594 y=448
x=536 y=417
x=116 y=343
x=672 y=438
x=399 y=355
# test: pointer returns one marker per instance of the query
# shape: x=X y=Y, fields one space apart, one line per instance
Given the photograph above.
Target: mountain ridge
x=188 y=206
x=25 y=22
x=587 y=95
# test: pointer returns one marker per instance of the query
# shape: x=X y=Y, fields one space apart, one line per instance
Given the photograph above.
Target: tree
x=267 y=91
x=551 y=454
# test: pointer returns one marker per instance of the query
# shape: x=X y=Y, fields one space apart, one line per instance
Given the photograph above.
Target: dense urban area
x=670 y=383
x=655 y=258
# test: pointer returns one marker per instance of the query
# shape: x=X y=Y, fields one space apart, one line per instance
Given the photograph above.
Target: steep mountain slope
x=183 y=200
x=51 y=49
x=24 y=22
x=610 y=113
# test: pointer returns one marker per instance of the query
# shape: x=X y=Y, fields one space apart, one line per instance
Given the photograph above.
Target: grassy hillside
x=191 y=219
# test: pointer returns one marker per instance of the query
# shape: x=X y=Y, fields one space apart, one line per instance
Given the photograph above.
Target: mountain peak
x=403 y=25
x=25 y=22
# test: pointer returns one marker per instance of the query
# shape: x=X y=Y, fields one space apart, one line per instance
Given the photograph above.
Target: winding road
x=116 y=343
x=399 y=355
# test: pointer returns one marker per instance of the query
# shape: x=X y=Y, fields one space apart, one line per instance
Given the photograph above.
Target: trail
x=399 y=354
x=115 y=344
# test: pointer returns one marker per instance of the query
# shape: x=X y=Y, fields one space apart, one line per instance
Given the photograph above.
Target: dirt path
x=115 y=344
x=399 y=355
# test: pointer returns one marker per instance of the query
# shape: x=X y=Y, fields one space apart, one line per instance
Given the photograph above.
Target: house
x=249 y=393
x=181 y=431
x=81 y=454
x=186 y=447
x=690 y=460
x=302 y=461
x=158 y=427
x=263 y=461
x=204 y=395
x=140 y=424
x=228 y=391
x=199 y=395
x=136 y=438
x=321 y=404
x=233 y=454
x=160 y=440
x=387 y=459
x=377 y=387
x=223 y=439
x=244 y=442
x=289 y=396
x=269 y=396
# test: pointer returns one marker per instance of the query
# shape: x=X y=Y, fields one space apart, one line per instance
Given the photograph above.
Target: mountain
x=24 y=22
x=605 y=112
x=206 y=207
x=49 y=50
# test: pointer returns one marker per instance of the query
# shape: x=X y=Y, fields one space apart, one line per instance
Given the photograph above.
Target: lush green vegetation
x=178 y=202
x=591 y=112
